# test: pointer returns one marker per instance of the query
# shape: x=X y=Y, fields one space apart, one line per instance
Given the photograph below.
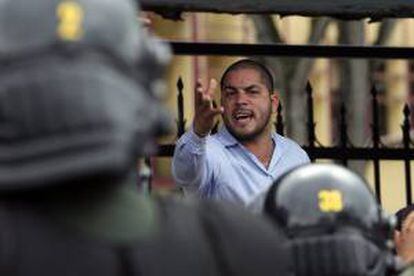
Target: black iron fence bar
x=343 y=131
x=327 y=51
x=180 y=108
x=356 y=153
x=376 y=142
x=279 y=125
x=406 y=142
x=347 y=9
x=310 y=123
x=375 y=118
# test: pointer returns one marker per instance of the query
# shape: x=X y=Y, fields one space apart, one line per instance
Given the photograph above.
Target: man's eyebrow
x=243 y=88
x=251 y=87
x=228 y=87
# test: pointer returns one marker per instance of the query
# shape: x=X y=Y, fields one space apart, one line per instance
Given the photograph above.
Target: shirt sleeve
x=304 y=157
x=297 y=154
x=189 y=164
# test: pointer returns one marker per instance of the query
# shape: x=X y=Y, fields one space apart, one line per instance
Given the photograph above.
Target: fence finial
x=279 y=120
x=310 y=124
x=180 y=107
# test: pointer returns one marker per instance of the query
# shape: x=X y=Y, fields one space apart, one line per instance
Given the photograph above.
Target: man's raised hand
x=205 y=111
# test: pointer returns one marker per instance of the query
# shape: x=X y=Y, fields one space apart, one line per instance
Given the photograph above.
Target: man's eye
x=230 y=92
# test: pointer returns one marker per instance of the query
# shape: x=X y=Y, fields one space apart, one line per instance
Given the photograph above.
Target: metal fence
x=343 y=151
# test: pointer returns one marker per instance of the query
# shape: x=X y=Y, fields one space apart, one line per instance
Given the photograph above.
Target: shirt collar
x=228 y=140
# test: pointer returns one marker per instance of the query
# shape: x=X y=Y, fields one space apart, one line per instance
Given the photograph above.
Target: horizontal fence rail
x=283 y=50
x=345 y=9
x=356 y=153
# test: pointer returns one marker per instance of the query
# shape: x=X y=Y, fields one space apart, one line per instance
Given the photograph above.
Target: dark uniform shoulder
x=240 y=243
x=189 y=238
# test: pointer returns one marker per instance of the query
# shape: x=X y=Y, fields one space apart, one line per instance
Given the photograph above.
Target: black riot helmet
x=77 y=99
x=335 y=225
x=322 y=197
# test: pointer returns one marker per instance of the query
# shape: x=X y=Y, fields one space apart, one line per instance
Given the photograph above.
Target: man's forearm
x=189 y=161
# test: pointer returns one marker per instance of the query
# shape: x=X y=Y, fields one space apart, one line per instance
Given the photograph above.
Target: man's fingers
x=204 y=99
x=213 y=112
x=212 y=86
x=208 y=96
x=202 y=95
x=199 y=92
x=218 y=110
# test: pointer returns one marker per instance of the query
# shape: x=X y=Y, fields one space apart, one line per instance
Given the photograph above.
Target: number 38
x=330 y=201
x=70 y=16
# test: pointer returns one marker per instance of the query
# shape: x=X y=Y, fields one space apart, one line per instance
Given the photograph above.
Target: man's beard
x=251 y=136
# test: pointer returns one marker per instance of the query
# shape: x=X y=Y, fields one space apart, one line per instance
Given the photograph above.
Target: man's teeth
x=242 y=116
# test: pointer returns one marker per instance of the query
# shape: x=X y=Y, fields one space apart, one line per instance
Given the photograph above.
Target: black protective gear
x=333 y=220
x=77 y=105
x=75 y=91
x=338 y=254
x=321 y=198
x=185 y=239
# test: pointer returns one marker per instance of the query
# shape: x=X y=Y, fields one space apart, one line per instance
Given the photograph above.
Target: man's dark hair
x=402 y=214
x=265 y=72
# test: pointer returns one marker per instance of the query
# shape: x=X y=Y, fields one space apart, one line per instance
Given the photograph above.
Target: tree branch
x=267 y=32
x=304 y=66
x=265 y=29
x=384 y=33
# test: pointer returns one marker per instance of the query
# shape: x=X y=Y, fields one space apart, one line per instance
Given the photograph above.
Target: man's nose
x=242 y=97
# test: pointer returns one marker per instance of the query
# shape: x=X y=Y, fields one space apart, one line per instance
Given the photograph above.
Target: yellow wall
x=322 y=102
x=392 y=184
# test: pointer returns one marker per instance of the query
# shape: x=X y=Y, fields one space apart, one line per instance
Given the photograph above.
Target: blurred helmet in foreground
x=77 y=95
x=333 y=221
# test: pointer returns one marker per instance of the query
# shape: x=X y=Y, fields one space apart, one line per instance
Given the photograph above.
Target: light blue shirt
x=218 y=166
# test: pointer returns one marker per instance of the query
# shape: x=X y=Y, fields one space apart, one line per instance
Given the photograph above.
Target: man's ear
x=274 y=98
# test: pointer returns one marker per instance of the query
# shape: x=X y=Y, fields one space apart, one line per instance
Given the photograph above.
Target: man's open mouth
x=242 y=116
